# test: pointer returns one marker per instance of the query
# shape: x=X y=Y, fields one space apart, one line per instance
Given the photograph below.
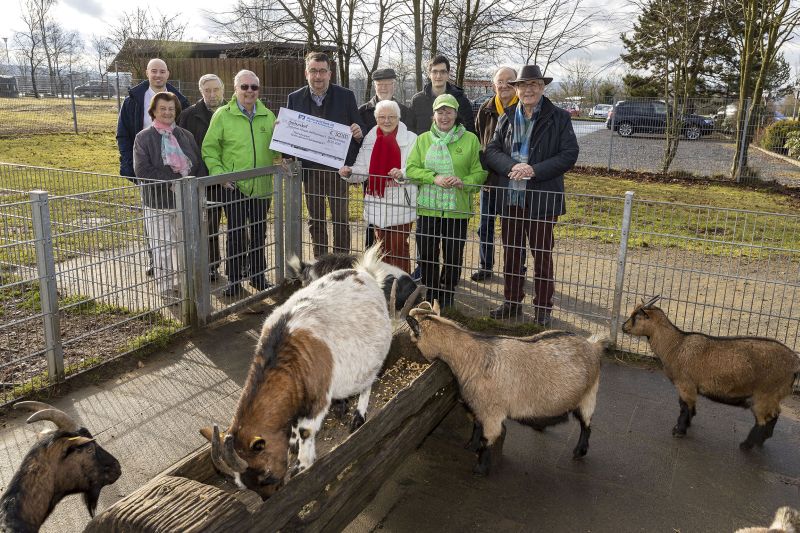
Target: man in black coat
x=533 y=146
x=422 y=102
x=321 y=98
x=196 y=119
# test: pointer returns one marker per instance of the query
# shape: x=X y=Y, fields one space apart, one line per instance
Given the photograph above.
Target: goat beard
x=90 y=498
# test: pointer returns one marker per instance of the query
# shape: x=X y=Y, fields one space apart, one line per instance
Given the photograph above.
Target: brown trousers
x=518 y=233
x=319 y=185
x=395 y=244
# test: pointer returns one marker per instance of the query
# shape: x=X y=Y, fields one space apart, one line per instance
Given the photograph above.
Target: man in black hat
x=533 y=146
x=384 y=82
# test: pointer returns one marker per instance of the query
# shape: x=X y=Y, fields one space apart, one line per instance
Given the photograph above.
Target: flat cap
x=384 y=74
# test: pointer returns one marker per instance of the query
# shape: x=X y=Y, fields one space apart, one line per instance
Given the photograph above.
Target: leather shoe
x=234 y=289
x=260 y=283
x=507 y=310
x=544 y=319
x=481 y=275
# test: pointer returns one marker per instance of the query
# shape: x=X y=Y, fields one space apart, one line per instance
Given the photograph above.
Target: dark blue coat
x=553 y=151
x=131 y=121
x=340 y=106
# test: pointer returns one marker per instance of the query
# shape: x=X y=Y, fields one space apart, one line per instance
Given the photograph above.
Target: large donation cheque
x=311 y=138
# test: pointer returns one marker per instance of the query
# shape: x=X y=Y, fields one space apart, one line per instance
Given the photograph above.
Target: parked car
x=479 y=101
x=600 y=111
x=725 y=118
x=650 y=116
x=572 y=108
x=95 y=88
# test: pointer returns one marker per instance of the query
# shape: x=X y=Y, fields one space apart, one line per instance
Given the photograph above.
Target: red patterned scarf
x=385 y=157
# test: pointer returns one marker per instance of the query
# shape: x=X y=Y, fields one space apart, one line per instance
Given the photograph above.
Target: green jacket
x=467 y=165
x=233 y=143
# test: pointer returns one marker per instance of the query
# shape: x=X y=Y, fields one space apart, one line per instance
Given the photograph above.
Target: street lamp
x=8 y=61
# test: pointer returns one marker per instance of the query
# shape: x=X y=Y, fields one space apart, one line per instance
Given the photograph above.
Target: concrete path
x=635 y=478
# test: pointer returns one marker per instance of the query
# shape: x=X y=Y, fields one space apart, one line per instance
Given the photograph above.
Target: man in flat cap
x=384 y=82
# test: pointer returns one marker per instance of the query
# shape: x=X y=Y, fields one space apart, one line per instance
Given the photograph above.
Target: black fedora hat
x=530 y=72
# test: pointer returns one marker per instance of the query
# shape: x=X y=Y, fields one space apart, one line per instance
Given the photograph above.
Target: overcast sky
x=94 y=16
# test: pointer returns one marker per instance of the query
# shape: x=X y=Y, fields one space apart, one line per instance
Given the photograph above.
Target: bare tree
x=29 y=45
x=386 y=10
x=760 y=29
x=66 y=51
x=141 y=27
x=102 y=53
x=579 y=78
x=260 y=21
x=554 y=28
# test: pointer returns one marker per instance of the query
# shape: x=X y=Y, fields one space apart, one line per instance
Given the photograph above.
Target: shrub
x=775 y=135
x=793 y=144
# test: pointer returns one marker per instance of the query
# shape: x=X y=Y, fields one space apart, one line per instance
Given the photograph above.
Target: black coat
x=422 y=108
x=196 y=119
x=340 y=106
x=367 y=112
x=553 y=151
x=131 y=121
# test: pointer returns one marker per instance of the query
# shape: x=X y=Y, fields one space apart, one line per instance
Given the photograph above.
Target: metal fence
x=74 y=266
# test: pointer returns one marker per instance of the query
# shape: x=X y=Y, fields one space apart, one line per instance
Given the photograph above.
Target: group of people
x=417 y=165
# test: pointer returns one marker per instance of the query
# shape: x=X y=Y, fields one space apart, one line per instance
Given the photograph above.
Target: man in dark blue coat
x=133 y=118
x=533 y=146
x=323 y=99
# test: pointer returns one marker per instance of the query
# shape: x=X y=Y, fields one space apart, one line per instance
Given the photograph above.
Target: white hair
x=387 y=103
x=209 y=77
x=242 y=73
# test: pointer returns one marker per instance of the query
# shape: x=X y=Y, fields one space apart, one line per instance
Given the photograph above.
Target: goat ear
x=413 y=324
x=436 y=309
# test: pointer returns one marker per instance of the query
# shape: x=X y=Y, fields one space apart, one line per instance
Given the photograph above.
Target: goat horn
x=231 y=458
x=50 y=413
x=410 y=303
x=393 y=297
x=218 y=461
x=652 y=301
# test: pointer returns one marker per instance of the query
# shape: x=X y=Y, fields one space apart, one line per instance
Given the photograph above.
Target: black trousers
x=448 y=236
x=246 y=217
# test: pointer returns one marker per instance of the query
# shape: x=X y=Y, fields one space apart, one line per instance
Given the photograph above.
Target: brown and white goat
x=753 y=372
x=65 y=461
x=535 y=380
x=327 y=341
x=787 y=520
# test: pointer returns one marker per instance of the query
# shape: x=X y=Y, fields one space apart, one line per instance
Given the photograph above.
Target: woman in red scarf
x=389 y=203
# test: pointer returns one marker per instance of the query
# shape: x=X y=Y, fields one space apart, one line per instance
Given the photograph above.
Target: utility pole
x=8 y=61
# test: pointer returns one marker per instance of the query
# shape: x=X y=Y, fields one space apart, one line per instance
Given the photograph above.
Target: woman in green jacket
x=238 y=139
x=446 y=167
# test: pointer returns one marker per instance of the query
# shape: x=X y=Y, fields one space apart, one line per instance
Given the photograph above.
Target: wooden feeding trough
x=192 y=497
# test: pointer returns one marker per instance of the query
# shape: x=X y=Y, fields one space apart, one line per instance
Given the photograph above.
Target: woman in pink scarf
x=162 y=153
x=389 y=203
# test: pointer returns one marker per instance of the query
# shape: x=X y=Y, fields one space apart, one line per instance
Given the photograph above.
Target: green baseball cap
x=445 y=100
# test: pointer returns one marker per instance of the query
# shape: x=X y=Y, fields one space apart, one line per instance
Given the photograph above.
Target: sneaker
x=481 y=275
x=234 y=289
x=260 y=283
x=506 y=310
x=544 y=319
x=417 y=274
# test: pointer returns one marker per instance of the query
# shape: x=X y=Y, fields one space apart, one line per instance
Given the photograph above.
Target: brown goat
x=787 y=520
x=65 y=461
x=535 y=380
x=753 y=372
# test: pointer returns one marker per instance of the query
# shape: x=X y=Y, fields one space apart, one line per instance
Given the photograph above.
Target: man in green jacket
x=238 y=139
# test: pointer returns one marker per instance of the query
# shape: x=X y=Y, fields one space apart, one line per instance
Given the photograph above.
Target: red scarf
x=385 y=157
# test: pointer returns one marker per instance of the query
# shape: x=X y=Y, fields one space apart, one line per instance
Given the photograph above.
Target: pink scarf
x=171 y=153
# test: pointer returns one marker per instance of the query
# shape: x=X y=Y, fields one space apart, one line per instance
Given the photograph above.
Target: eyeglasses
x=538 y=84
x=387 y=117
x=435 y=72
x=318 y=71
x=246 y=87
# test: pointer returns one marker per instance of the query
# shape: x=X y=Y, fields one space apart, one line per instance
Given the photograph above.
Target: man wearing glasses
x=422 y=102
x=533 y=146
x=321 y=98
x=238 y=139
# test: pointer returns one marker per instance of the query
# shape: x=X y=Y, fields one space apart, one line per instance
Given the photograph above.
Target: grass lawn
x=596 y=215
x=54 y=115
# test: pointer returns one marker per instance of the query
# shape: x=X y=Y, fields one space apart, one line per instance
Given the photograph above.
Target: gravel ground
x=710 y=156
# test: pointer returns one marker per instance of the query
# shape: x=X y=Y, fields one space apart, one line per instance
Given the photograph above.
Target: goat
x=327 y=341
x=750 y=372
x=534 y=380
x=787 y=520
x=65 y=461
x=307 y=272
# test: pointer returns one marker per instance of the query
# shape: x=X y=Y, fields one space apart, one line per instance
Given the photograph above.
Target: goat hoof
x=480 y=470
x=745 y=446
x=339 y=408
x=678 y=433
x=579 y=452
x=472 y=446
x=357 y=422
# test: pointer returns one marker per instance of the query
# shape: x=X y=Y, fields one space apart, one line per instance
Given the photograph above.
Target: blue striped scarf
x=521 y=131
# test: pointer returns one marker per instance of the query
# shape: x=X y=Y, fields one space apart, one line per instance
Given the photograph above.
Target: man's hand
x=356 y=129
x=521 y=171
x=345 y=172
